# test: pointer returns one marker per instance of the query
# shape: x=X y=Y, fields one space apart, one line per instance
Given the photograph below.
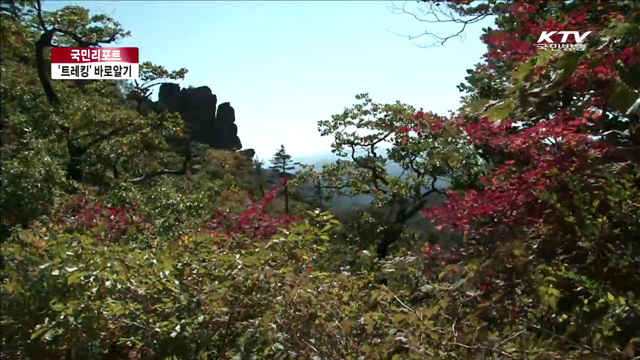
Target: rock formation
x=197 y=106
x=248 y=153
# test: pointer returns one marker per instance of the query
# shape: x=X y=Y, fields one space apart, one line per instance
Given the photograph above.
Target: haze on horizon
x=284 y=65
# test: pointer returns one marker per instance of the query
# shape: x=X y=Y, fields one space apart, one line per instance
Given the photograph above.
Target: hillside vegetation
x=124 y=239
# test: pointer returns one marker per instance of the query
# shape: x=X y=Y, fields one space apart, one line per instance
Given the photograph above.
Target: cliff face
x=197 y=106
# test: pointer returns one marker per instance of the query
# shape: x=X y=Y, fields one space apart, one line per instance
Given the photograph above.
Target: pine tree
x=281 y=163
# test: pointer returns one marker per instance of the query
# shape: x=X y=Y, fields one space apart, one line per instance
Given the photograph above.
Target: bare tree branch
x=437 y=13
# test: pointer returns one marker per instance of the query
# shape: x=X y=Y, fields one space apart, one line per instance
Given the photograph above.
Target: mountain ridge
x=341 y=205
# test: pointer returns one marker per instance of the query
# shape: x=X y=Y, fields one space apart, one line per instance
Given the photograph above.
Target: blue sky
x=284 y=65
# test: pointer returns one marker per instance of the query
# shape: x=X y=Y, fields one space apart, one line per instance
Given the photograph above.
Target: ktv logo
x=545 y=41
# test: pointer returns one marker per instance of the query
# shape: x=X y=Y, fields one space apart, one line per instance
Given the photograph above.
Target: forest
x=124 y=238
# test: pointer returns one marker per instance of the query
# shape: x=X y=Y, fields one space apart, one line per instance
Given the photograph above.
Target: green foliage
x=368 y=137
x=76 y=26
x=219 y=297
x=200 y=295
x=109 y=248
x=90 y=137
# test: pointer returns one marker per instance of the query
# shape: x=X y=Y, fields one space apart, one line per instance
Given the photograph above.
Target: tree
x=15 y=9
x=194 y=267
x=553 y=93
x=318 y=194
x=281 y=163
x=84 y=134
x=369 y=136
x=558 y=131
x=258 y=164
x=451 y=12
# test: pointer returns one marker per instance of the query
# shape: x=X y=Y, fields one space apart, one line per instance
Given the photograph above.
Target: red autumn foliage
x=256 y=222
x=403 y=130
x=510 y=192
x=421 y=123
x=516 y=43
x=88 y=212
x=428 y=250
x=527 y=162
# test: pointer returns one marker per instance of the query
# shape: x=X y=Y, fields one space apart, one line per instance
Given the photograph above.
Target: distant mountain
x=318 y=159
x=343 y=204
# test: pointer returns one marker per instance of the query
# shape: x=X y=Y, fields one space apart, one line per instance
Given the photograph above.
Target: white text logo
x=545 y=40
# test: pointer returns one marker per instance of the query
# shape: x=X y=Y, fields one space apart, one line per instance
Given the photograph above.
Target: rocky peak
x=207 y=124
